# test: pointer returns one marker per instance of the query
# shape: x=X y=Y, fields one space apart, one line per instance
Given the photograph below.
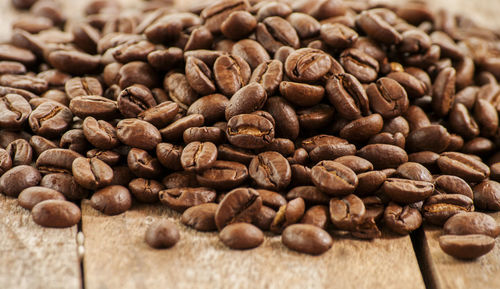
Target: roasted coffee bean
x=270 y=170
x=433 y=138
x=145 y=190
x=111 y=200
x=82 y=86
x=486 y=116
x=14 y=111
x=5 y=161
x=50 y=119
x=472 y=223
x=56 y=214
x=75 y=140
x=91 y=173
x=383 y=155
x=239 y=205
x=241 y=236
x=238 y=25
x=18 y=178
x=31 y=196
x=231 y=73
x=443 y=94
x=99 y=133
x=223 y=175
x=347 y=96
x=462 y=123
x=364 y=67
x=66 y=184
x=407 y=191
x=246 y=100
x=174 y=131
x=73 y=61
x=466 y=246
x=387 y=97
x=179 y=180
x=265 y=218
x=347 y=213
x=288 y=214
x=271 y=199
x=438 y=208
x=334 y=178
x=230 y=153
x=307 y=65
x=274 y=32
x=414 y=171
x=447 y=184
x=56 y=161
x=95 y=106
x=369 y=182
x=287 y=123
x=169 y=155
x=134 y=100
x=362 y=128
x=317 y=216
x=138 y=133
x=310 y=194
x=181 y=199
x=212 y=107
x=198 y=156
x=215 y=14
x=200 y=217
x=204 y=134
x=108 y=156
x=307 y=239
x=486 y=195
x=137 y=72
x=142 y=164
x=199 y=76
x=20 y=151
x=376 y=27
x=250 y=51
x=249 y=131
x=402 y=219
x=463 y=166
x=301 y=94
x=179 y=90
x=162 y=234
x=269 y=74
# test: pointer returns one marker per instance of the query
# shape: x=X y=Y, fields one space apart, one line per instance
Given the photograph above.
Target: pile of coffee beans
x=308 y=118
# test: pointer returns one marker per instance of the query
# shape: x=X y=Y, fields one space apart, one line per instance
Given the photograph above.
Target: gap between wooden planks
x=33 y=257
x=446 y=272
x=116 y=256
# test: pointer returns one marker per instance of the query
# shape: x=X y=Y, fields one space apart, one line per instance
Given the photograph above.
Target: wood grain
x=33 y=257
x=117 y=256
x=446 y=272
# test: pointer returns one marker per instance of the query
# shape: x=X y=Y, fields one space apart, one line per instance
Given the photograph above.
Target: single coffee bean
x=376 y=27
x=271 y=199
x=142 y=164
x=95 y=106
x=91 y=173
x=239 y=205
x=179 y=180
x=274 y=32
x=111 y=200
x=20 y=152
x=251 y=51
x=347 y=213
x=369 y=182
x=14 y=111
x=334 y=178
x=462 y=123
x=231 y=73
x=138 y=133
x=463 y=166
x=223 y=175
x=179 y=90
x=134 y=100
x=471 y=223
x=199 y=76
x=145 y=190
x=347 y=95
x=200 y=217
x=486 y=195
x=212 y=107
x=356 y=164
x=249 y=131
x=5 y=161
x=270 y=170
x=402 y=219
x=301 y=94
x=466 y=246
x=317 y=215
x=438 y=208
x=246 y=100
x=175 y=130
x=198 y=156
x=99 y=133
x=414 y=171
x=50 y=119
x=305 y=238
x=407 y=191
x=56 y=214
x=307 y=65
x=241 y=236
x=18 y=178
x=169 y=155
x=66 y=184
x=310 y=194
x=216 y=13
x=443 y=94
x=447 y=184
x=364 y=67
x=387 y=97
x=238 y=25
x=433 y=138
x=73 y=61
x=82 y=86
x=288 y=214
x=31 y=196
x=287 y=123
x=137 y=72
x=183 y=198
x=56 y=161
x=269 y=74
x=362 y=128
x=162 y=234
x=383 y=155
x=265 y=218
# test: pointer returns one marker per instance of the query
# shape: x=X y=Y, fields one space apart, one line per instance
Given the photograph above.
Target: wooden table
x=115 y=255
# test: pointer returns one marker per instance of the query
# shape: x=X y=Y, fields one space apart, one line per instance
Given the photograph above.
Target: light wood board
x=33 y=257
x=116 y=256
x=446 y=272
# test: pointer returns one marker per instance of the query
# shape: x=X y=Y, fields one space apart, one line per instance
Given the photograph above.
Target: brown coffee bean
x=20 y=152
x=438 y=208
x=364 y=67
x=198 y=156
x=111 y=200
x=241 y=236
x=73 y=61
x=134 y=100
x=347 y=213
x=301 y=94
x=239 y=205
x=334 y=178
x=231 y=73
x=82 y=86
x=463 y=166
x=99 y=133
x=466 y=246
x=66 y=184
x=307 y=239
x=142 y=164
x=271 y=199
x=369 y=182
x=307 y=65
x=310 y=194
x=246 y=100
x=402 y=219
x=179 y=90
x=347 y=95
x=145 y=190
x=138 y=133
x=223 y=175
x=200 y=217
x=137 y=72
x=199 y=76
x=447 y=184
x=486 y=195
x=443 y=94
x=287 y=123
x=414 y=171
x=288 y=214
x=215 y=14
x=362 y=128
x=18 y=178
x=383 y=155
x=238 y=25
x=96 y=106
x=56 y=214
x=264 y=219
x=50 y=119
x=317 y=215
x=31 y=196
x=169 y=155
x=274 y=32
x=179 y=180
x=249 y=131
x=462 y=122
x=91 y=173
x=14 y=111
x=433 y=138
x=376 y=27
x=472 y=223
x=175 y=130
x=387 y=97
x=407 y=191
x=183 y=198
x=250 y=51
x=162 y=234
x=270 y=170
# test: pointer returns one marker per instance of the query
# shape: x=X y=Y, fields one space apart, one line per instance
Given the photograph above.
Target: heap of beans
x=307 y=119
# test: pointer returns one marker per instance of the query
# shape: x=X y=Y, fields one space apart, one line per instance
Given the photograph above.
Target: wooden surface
x=115 y=251
x=117 y=257
x=35 y=257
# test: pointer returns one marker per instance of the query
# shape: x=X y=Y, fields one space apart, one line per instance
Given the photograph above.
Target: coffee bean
x=93 y=105
x=231 y=73
x=142 y=164
x=443 y=93
x=438 y=208
x=31 y=196
x=287 y=123
x=466 y=246
x=169 y=155
x=334 y=178
x=407 y=191
x=174 y=131
x=387 y=97
x=91 y=173
x=402 y=219
x=307 y=239
x=14 y=111
x=462 y=123
x=18 y=178
x=100 y=133
x=238 y=25
x=134 y=100
x=223 y=175
x=463 y=166
x=383 y=155
x=198 y=156
x=246 y=100
x=66 y=184
x=288 y=214
x=347 y=213
x=241 y=236
x=364 y=67
x=362 y=128
x=250 y=51
x=56 y=214
x=162 y=234
x=82 y=86
x=376 y=27
x=310 y=194
x=307 y=65
x=215 y=14
x=447 y=184
x=270 y=170
x=347 y=95
x=486 y=195
x=183 y=198
x=179 y=89
x=50 y=119
x=138 y=133
x=111 y=200
x=433 y=138
x=239 y=205
x=274 y=32
x=179 y=180
x=20 y=152
x=471 y=223
x=249 y=131
x=269 y=74
x=369 y=182
x=200 y=217
x=414 y=171
x=145 y=190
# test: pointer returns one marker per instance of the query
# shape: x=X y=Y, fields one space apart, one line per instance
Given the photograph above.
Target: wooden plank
x=116 y=256
x=446 y=272
x=34 y=257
